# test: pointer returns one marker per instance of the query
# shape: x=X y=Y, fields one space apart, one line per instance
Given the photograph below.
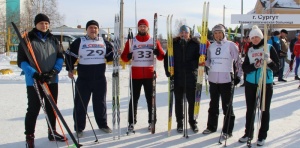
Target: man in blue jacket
x=50 y=59
x=275 y=42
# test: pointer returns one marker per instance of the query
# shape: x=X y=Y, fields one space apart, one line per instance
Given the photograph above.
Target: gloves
x=46 y=76
x=52 y=73
x=41 y=77
x=237 y=81
x=129 y=56
x=156 y=52
x=267 y=58
x=291 y=64
x=206 y=70
x=168 y=74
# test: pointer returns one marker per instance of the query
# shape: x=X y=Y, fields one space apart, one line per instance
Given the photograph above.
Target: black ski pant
x=251 y=101
x=136 y=91
x=84 y=90
x=179 y=98
x=34 y=106
x=224 y=90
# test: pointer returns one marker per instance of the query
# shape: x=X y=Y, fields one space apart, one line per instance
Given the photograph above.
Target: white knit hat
x=256 y=32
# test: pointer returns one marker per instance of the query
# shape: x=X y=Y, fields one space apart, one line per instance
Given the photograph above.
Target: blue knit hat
x=184 y=28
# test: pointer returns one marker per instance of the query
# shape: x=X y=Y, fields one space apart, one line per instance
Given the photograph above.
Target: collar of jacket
x=143 y=38
x=261 y=43
x=222 y=42
x=88 y=38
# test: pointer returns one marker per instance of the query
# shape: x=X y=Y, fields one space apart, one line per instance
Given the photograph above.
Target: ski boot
x=56 y=137
x=30 y=141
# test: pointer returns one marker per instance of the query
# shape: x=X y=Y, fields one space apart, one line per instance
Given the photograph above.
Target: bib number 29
x=91 y=52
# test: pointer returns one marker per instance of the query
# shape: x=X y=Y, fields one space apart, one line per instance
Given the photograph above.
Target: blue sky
x=79 y=12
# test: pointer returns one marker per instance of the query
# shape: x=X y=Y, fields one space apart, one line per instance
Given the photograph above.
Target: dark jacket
x=88 y=72
x=186 y=58
x=274 y=65
x=47 y=52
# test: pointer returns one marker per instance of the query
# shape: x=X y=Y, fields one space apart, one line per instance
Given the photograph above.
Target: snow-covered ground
x=284 y=126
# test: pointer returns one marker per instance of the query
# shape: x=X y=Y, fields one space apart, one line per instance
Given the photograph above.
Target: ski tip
x=72 y=146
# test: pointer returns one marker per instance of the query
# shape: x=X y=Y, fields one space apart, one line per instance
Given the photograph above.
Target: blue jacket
x=47 y=53
x=275 y=42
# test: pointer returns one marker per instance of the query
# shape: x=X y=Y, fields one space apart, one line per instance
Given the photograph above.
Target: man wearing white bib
x=142 y=60
x=221 y=56
x=91 y=51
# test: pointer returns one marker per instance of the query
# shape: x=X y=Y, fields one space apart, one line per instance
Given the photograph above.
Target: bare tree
x=178 y=24
x=162 y=41
x=2 y=28
x=48 y=7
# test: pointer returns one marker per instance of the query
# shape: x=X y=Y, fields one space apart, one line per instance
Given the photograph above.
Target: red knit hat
x=143 y=22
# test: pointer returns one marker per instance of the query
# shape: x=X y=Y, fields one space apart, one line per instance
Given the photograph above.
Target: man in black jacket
x=186 y=56
x=92 y=51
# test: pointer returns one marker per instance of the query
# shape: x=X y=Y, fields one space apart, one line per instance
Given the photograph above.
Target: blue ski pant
x=280 y=72
x=84 y=90
x=297 y=65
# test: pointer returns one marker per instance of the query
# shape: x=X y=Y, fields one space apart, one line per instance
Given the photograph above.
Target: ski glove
x=129 y=56
x=267 y=58
x=156 y=52
x=41 y=77
x=52 y=73
x=237 y=81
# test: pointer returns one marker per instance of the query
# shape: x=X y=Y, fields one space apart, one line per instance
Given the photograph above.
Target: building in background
x=10 y=11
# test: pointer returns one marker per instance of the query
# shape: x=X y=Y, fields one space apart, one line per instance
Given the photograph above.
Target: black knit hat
x=41 y=17
x=91 y=22
x=276 y=33
x=283 y=31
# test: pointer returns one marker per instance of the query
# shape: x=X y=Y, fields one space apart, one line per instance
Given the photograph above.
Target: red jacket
x=142 y=72
x=297 y=49
x=246 y=47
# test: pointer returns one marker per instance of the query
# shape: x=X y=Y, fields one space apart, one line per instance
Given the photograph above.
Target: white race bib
x=221 y=59
x=142 y=53
x=92 y=51
x=255 y=56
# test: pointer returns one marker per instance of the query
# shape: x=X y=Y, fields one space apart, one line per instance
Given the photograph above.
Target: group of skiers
x=223 y=66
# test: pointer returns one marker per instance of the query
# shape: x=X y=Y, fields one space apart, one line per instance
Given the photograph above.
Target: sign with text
x=265 y=19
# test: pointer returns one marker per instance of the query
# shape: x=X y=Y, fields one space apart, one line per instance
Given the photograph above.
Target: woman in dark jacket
x=252 y=66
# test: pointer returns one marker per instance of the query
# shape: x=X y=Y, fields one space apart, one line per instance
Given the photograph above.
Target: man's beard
x=142 y=33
